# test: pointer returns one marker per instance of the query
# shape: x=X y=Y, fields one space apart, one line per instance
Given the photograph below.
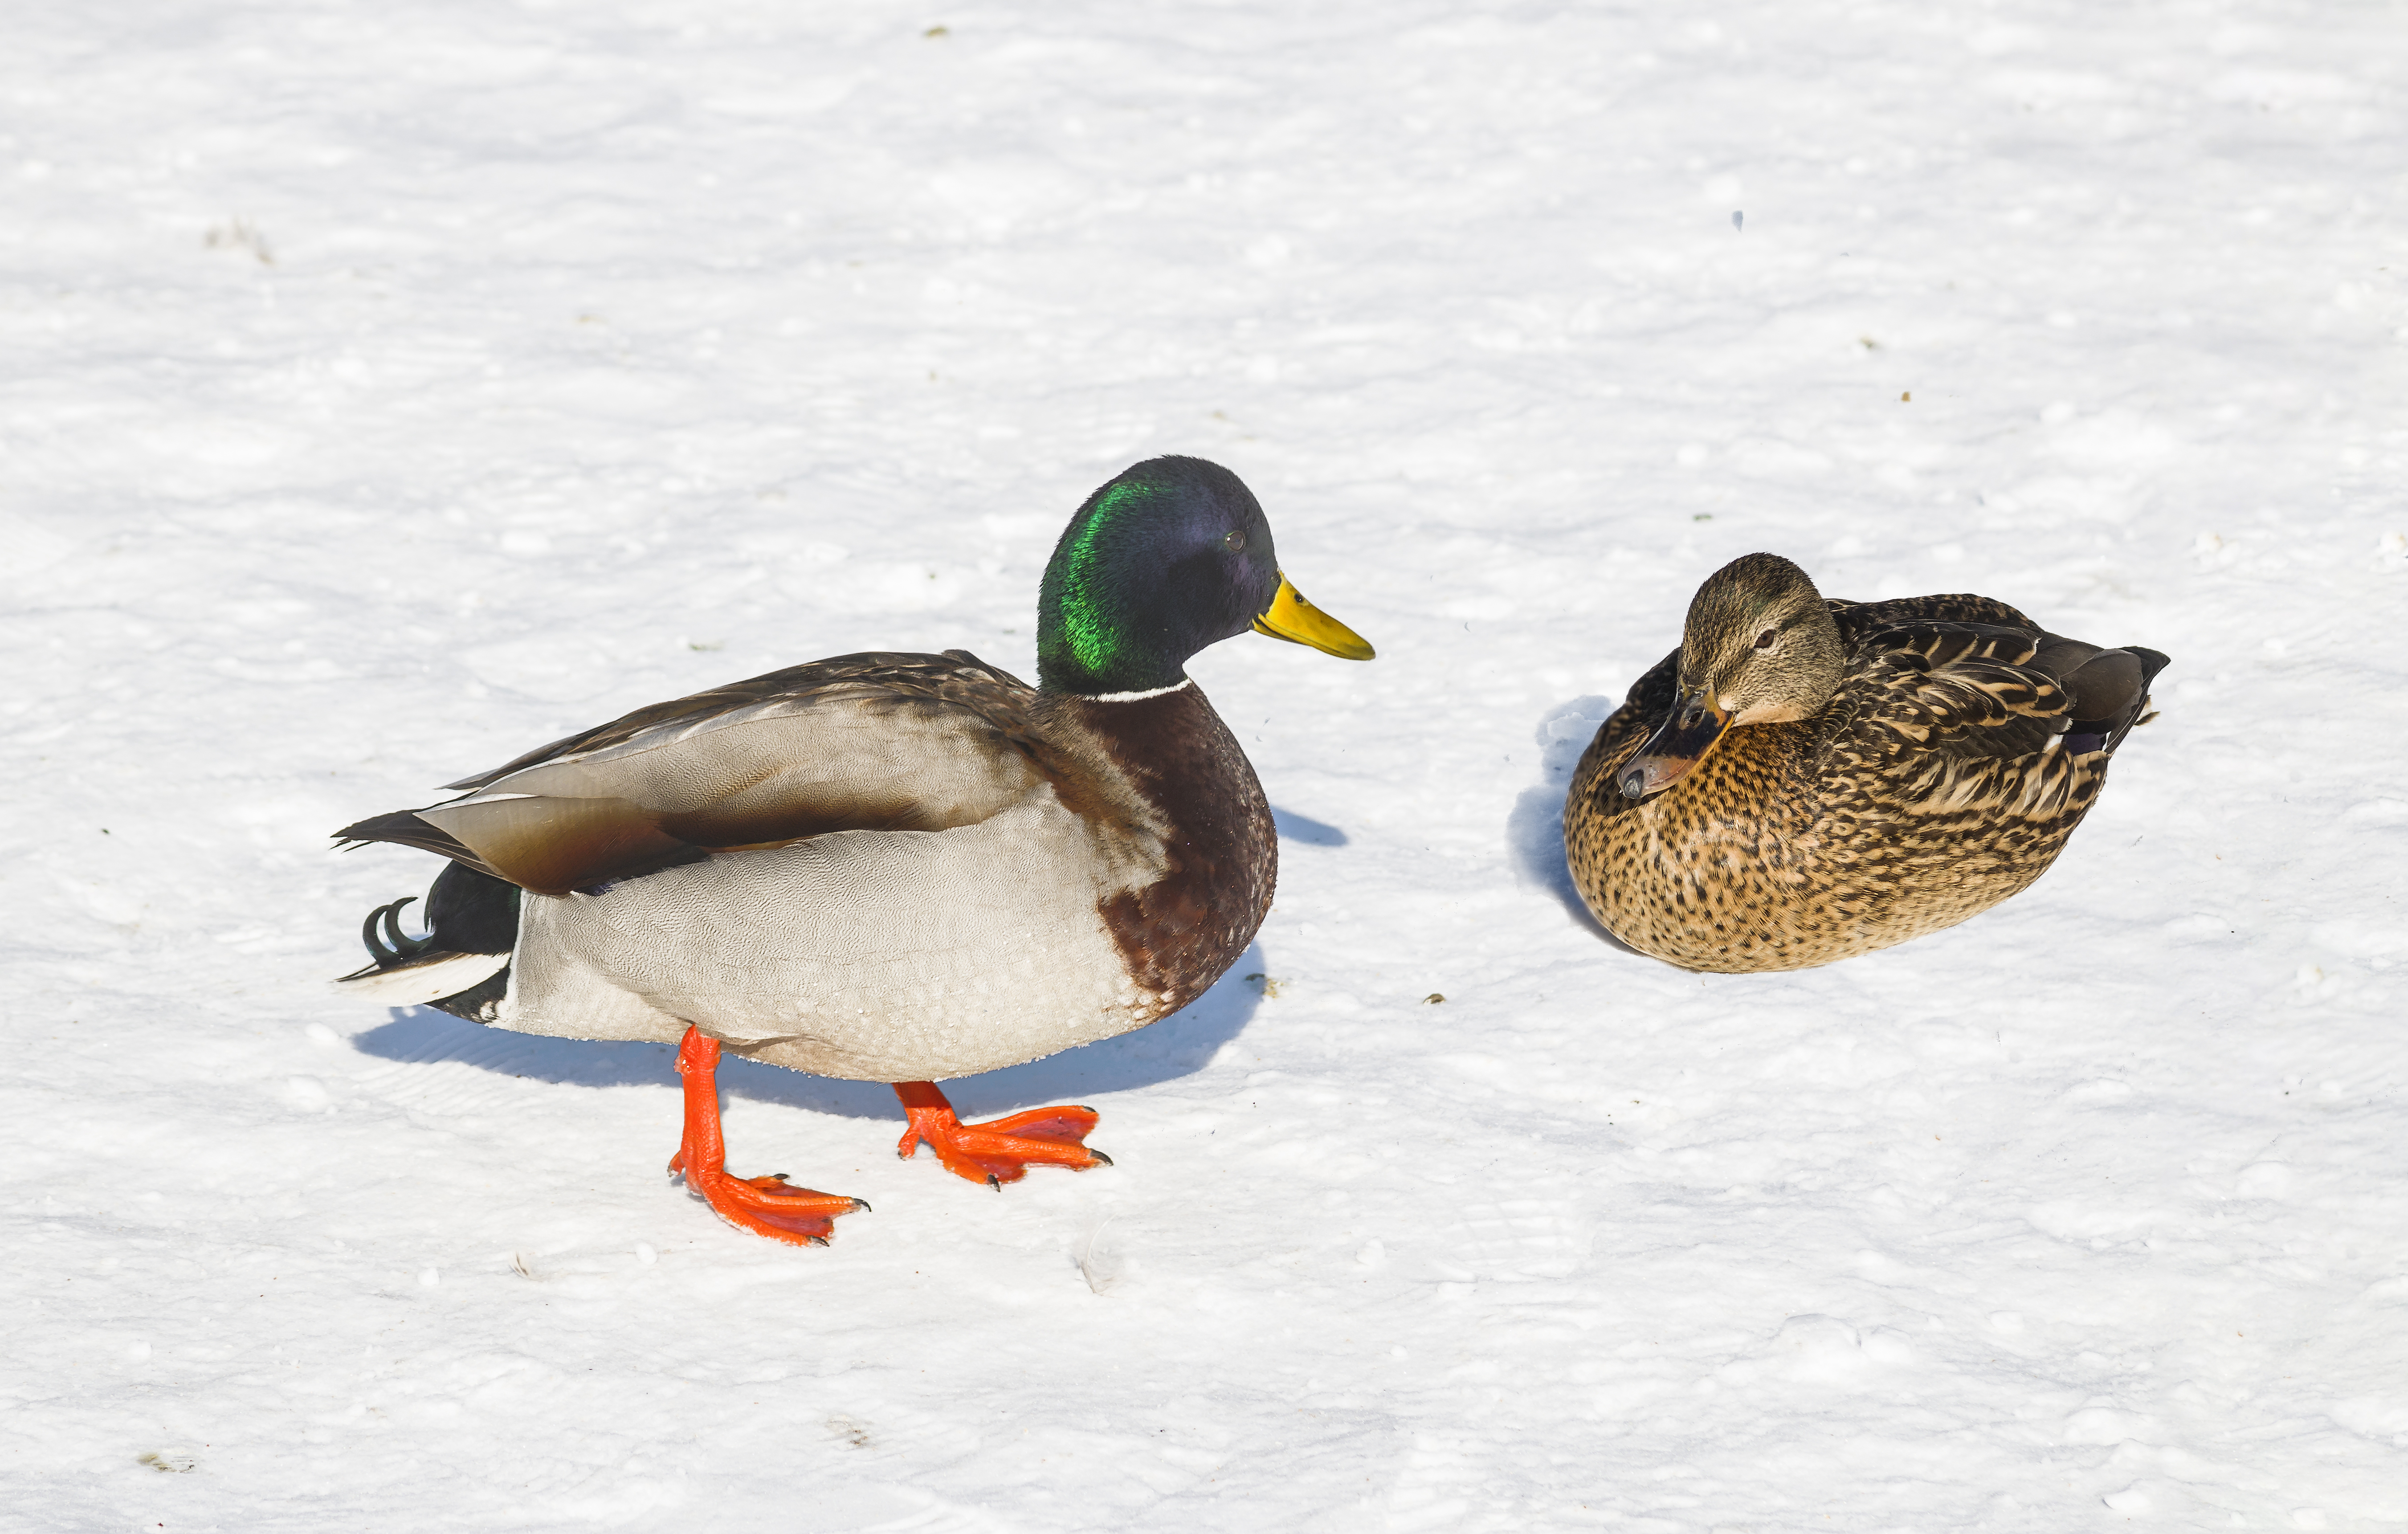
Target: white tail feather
x=417 y=984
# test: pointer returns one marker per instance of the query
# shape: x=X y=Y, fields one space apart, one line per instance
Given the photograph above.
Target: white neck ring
x=1138 y=698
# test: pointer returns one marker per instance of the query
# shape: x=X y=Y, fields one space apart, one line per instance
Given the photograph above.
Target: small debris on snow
x=1100 y=1265
x=238 y=236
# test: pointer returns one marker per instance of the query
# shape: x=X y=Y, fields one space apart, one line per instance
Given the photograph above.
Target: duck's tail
x=463 y=963
x=2109 y=688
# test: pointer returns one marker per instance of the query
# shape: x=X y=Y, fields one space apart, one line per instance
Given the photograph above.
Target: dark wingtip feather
x=403 y=828
x=2113 y=729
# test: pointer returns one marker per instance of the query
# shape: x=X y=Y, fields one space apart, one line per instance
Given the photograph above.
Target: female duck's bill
x=1682 y=742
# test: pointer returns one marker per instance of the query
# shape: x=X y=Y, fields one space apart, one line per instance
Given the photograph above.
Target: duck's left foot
x=766 y=1206
x=1001 y=1150
x=769 y=1206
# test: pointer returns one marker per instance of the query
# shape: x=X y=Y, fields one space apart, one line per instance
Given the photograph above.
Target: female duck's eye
x=1764 y=640
x=1234 y=539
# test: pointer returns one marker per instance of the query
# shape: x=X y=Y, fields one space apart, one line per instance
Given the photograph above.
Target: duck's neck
x=1089 y=659
x=1171 y=736
x=1091 y=640
x=1179 y=753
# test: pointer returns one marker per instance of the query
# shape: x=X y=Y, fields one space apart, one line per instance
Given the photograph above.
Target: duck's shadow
x=1179 y=1045
x=1304 y=829
x=1534 y=831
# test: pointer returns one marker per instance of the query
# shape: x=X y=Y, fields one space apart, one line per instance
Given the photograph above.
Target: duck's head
x=1172 y=555
x=1759 y=647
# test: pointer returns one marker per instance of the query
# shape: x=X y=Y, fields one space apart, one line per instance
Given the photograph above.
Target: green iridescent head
x=1172 y=555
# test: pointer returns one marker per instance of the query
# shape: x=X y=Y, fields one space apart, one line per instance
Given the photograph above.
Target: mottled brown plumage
x=1808 y=779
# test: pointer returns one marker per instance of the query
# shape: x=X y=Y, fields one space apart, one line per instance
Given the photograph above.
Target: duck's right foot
x=1001 y=1150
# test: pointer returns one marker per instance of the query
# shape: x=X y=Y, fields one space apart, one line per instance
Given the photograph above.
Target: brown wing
x=1977 y=689
x=968 y=680
x=1960 y=689
x=875 y=742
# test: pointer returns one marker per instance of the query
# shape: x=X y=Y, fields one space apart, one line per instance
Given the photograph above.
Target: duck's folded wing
x=1972 y=690
x=862 y=742
x=1961 y=690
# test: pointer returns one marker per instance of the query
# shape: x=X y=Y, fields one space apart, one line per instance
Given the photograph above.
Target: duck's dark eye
x=1234 y=539
x=1764 y=640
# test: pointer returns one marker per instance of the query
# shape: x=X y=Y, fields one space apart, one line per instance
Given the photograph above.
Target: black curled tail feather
x=392 y=947
x=467 y=912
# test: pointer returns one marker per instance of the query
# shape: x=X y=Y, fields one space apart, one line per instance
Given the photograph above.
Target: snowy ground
x=386 y=390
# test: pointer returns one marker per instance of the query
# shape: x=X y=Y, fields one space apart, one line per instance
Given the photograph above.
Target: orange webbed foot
x=1001 y=1150
x=766 y=1206
x=769 y=1206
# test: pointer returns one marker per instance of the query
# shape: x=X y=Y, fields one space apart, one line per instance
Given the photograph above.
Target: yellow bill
x=1290 y=617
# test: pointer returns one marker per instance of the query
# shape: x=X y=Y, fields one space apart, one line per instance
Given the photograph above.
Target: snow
x=385 y=391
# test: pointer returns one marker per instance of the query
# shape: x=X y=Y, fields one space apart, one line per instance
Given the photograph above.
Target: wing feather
x=876 y=742
x=1961 y=690
x=404 y=827
x=966 y=680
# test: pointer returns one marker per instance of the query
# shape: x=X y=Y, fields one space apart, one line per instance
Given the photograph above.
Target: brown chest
x=1178 y=934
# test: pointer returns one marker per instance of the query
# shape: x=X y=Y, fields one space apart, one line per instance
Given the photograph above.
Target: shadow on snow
x=1304 y=829
x=1534 y=830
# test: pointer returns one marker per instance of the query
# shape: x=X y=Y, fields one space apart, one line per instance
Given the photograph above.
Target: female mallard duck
x=888 y=867
x=1805 y=779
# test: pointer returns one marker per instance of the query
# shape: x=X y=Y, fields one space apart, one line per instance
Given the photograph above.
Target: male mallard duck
x=1808 y=779
x=888 y=867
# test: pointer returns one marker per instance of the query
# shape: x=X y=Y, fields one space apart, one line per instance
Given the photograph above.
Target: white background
x=385 y=390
